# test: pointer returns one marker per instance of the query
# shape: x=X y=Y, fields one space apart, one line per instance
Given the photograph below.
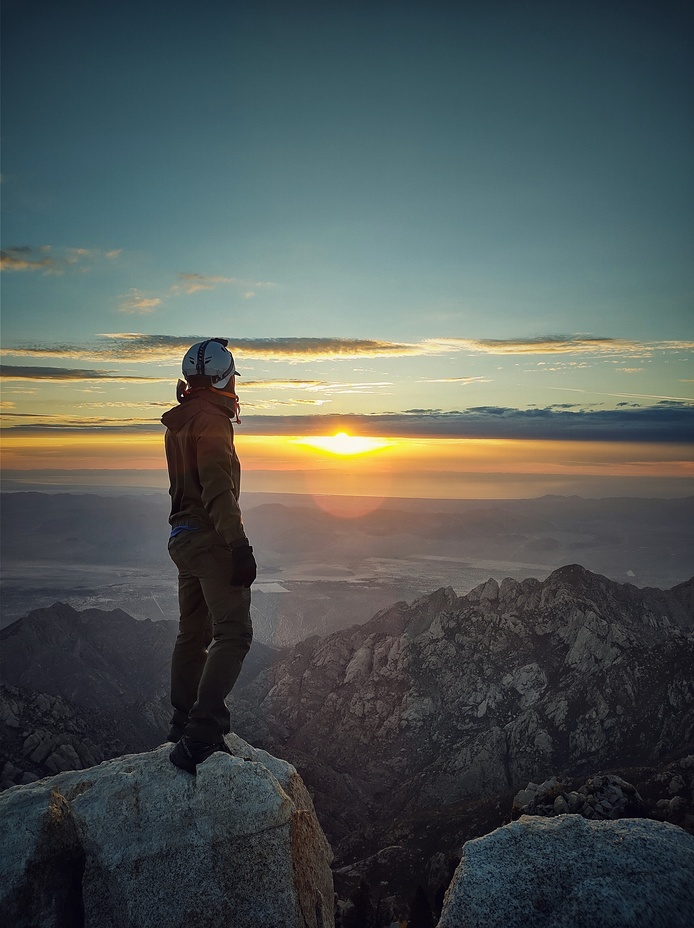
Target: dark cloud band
x=61 y=374
x=666 y=422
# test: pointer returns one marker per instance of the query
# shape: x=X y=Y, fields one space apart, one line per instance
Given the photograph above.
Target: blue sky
x=477 y=207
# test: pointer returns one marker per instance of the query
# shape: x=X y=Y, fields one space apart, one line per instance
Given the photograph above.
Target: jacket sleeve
x=220 y=473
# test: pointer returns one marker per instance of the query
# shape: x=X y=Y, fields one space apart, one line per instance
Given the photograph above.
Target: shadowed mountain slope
x=454 y=698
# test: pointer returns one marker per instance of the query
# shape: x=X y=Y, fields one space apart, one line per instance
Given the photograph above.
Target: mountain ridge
x=451 y=698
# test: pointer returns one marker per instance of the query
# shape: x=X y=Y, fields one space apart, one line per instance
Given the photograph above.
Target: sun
x=344 y=444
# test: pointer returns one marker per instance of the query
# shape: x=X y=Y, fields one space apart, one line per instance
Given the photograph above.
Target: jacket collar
x=215 y=398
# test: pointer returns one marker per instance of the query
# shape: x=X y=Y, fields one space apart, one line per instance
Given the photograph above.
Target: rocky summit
x=460 y=697
x=137 y=842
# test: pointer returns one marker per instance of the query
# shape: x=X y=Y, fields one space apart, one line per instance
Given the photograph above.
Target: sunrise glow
x=344 y=444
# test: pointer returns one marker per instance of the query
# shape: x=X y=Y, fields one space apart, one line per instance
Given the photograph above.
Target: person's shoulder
x=209 y=408
x=210 y=418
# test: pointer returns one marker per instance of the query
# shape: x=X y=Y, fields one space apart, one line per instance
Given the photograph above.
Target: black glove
x=244 y=567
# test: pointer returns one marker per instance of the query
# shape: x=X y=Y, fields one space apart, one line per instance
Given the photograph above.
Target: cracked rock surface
x=137 y=842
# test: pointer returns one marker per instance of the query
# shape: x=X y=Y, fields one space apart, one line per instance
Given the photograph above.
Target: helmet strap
x=236 y=406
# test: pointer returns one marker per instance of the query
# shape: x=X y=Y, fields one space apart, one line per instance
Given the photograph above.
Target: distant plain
x=330 y=562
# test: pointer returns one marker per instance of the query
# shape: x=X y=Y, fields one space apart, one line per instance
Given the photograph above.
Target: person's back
x=209 y=546
x=204 y=470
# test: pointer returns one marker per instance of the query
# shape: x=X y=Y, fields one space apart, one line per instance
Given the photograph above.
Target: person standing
x=208 y=545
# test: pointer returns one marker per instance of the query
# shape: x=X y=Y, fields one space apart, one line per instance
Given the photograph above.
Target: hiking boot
x=188 y=754
x=175 y=732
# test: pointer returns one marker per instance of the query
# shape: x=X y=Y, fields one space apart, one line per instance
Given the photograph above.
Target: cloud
x=545 y=344
x=42 y=422
x=51 y=260
x=273 y=404
x=121 y=405
x=61 y=374
x=25 y=259
x=665 y=422
x=641 y=396
x=192 y=283
x=282 y=384
x=463 y=380
x=135 y=302
x=139 y=347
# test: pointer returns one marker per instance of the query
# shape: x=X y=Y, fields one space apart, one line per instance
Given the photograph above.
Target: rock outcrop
x=665 y=795
x=602 y=797
x=567 y=872
x=137 y=842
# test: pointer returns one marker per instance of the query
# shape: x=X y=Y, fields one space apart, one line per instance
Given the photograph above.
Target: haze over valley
x=328 y=563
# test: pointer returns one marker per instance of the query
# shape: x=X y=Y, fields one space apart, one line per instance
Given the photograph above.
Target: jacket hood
x=191 y=405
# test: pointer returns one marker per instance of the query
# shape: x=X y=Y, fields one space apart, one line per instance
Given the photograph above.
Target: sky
x=462 y=230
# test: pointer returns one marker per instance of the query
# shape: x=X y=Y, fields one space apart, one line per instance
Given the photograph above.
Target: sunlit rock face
x=137 y=842
x=458 y=697
x=568 y=872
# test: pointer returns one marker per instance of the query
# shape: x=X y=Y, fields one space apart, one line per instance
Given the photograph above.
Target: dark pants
x=214 y=634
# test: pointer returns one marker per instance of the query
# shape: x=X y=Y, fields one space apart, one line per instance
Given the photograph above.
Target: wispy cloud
x=49 y=260
x=122 y=405
x=31 y=422
x=192 y=283
x=282 y=403
x=463 y=380
x=642 y=396
x=61 y=374
x=350 y=387
x=136 y=302
x=282 y=384
x=546 y=344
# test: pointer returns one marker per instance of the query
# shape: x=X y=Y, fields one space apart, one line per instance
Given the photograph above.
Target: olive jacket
x=204 y=471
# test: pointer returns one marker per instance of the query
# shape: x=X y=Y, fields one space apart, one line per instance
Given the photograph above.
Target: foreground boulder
x=137 y=842
x=569 y=872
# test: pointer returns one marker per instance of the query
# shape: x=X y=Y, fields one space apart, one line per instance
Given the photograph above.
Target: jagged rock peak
x=574 y=575
x=137 y=842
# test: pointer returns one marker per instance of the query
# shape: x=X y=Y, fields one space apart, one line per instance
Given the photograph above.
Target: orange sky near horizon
x=423 y=467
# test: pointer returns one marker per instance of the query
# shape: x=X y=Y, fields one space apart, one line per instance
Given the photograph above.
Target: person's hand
x=245 y=569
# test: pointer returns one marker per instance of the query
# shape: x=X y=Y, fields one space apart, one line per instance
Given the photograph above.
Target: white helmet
x=209 y=364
